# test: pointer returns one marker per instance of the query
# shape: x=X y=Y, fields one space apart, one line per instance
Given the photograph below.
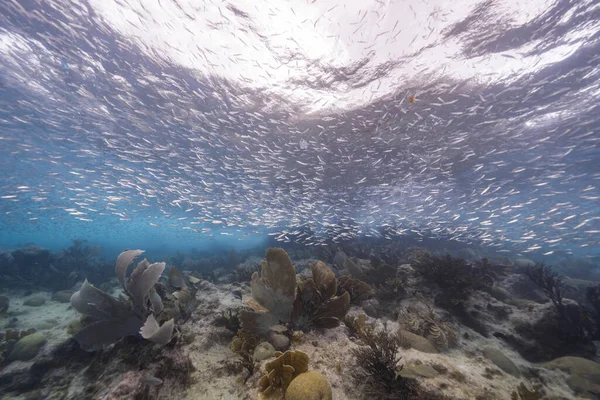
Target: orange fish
x=411 y=99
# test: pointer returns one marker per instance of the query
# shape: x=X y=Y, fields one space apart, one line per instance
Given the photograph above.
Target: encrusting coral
x=282 y=370
x=114 y=318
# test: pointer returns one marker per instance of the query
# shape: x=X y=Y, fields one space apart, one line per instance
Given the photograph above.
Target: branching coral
x=115 y=318
x=280 y=297
x=81 y=259
x=424 y=322
x=550 y=282
x=359 y=290
x=180 y=296
x=229 y=319
x=392 y=289
x=570 y=329
x=456 y=278
x=316 y=304
x=376 y=367
x=243 y=345
x=592 y=296
x=243 y=272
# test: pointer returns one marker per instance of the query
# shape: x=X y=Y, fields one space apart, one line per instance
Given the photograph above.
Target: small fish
x=151 y=380
x=237 y=293
x=411 y=99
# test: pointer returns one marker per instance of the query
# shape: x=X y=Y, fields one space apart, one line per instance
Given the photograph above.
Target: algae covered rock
x=279 y=340
x=263 y=351
x=27 y=347
x=576 y=365
x=585 y=374
x=35 y=301
x=501 y=361
x=417 y=371
x=524 y=262
x=63 y=296
x=311 y=385
x=523 y=393
x=42 y=325
x=74 y=326
x=417 y=342
x=4 y=302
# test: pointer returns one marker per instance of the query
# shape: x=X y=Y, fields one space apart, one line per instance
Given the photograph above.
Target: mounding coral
x=311 y=385
x=113 y=318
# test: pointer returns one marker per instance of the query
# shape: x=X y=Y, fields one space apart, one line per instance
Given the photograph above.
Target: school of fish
x=309 y=120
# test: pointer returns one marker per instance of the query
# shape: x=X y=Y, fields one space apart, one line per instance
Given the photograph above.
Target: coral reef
x=550 y=282
x=115 y=318
x=359 y=290
x=273 y=293
x=244 y=271
x=566 y=330
x=454 y=276
x=282 y=370
x=316 y=304
x=244 y=345
x=34 y=267
x=311 y=385
x=376 y=367
x=27 y=347
x=281 y=297
x=398 y=341
x=343 y=262
x=523 y=393
x=422 y=320
x=4 y=303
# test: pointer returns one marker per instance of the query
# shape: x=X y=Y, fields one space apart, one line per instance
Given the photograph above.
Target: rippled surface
x=470 y=120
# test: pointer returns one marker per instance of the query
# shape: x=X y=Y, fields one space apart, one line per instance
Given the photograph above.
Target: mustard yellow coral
x=311 y=385
x=282 y=371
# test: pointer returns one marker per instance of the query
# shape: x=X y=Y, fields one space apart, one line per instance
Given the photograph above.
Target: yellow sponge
x=311 y=385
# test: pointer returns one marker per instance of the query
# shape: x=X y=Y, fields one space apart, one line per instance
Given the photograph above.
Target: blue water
x=171 y=126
